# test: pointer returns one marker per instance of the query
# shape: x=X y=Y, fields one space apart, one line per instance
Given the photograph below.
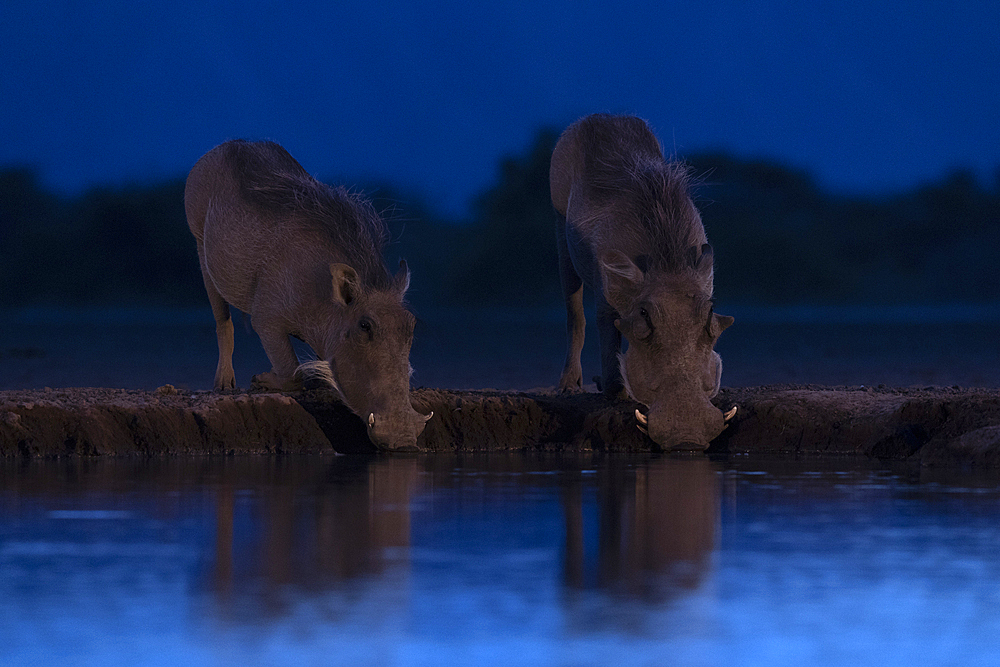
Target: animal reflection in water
x=348 y=521
x=656 y=529
x=655 y=525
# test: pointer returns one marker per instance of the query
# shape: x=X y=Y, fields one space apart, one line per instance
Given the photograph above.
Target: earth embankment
x=933 y=426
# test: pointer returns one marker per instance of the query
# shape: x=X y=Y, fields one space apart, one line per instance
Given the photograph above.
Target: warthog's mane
x=644 y=199
x=271 y=179
x=650 y=199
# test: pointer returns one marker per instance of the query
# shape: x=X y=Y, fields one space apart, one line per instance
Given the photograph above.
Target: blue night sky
x=870 y=96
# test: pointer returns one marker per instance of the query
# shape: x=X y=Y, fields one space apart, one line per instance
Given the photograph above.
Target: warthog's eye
x=366 y=326
x=645 y=316
x=641 y=327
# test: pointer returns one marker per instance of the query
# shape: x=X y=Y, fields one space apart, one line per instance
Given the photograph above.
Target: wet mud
x=932 y=426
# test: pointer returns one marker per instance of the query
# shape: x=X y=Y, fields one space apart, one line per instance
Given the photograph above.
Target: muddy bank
x=932 y=426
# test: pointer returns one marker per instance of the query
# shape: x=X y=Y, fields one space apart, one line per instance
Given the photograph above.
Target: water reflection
x=645 y=531
x=311 y=530
x=493 y=559
x=656 y=527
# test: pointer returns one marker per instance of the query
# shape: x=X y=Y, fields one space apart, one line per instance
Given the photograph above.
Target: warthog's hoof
x=272 y=382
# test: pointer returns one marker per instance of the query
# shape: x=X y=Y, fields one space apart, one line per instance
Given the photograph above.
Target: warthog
x=304 y=259
x=628 y=229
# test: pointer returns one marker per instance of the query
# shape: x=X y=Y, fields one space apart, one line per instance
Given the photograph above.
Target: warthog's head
x=368 y=348
x=670 y=365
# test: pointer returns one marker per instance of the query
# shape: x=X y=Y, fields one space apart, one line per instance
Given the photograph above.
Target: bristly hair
x=653 y=199
x=269 y=177
x=641 y=199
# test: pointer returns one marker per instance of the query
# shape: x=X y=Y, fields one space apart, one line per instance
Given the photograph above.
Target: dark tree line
x=778 y=238
x=109 y=245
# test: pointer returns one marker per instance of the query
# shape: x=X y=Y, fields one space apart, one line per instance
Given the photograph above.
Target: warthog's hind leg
x=572 y=287
x=225 y=377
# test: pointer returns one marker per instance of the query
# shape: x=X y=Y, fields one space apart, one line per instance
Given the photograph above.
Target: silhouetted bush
x=138 y=241
x=107 y=246
x=778 y=238
x=34 y=245
x=511 y=257
x=431 y=247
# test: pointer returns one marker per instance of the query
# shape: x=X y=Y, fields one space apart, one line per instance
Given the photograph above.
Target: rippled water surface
x=495 y=560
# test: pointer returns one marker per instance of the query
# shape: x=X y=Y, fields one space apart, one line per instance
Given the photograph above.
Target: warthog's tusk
x=729 y=415
x=642 y=422
x=371 y=420
x=428 y=416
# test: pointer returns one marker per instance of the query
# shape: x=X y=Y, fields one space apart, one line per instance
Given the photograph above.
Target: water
x=506 y=559
x=500 y=559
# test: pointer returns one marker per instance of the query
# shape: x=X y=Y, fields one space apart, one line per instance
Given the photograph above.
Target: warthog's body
x=304 y=260
x=629 y=230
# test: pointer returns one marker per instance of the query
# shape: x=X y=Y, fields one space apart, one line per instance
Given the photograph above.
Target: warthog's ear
x=701 y=258
x=622 y=279
x=719 y=323
x=346 y=285
x=401 y=281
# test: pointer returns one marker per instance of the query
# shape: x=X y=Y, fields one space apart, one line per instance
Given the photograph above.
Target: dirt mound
x=933 y=426
x=92 y=422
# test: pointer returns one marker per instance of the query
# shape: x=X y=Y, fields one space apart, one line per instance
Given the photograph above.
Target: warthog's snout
x=397 y=432
x=680 y=427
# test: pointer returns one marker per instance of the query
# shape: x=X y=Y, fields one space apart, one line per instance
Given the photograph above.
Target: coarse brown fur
x=629 y=229
x=304 y=259
x=272 y=180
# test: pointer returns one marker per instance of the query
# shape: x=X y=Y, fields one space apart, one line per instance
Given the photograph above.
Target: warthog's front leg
x=280 y=352
x=572 y=287
x=611 y=345
x=572 y=373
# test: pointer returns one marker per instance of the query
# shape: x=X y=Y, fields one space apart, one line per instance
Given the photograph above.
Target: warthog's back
x=610 y=180
x=256 y=210
x=598 y=148
x=277 y=186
